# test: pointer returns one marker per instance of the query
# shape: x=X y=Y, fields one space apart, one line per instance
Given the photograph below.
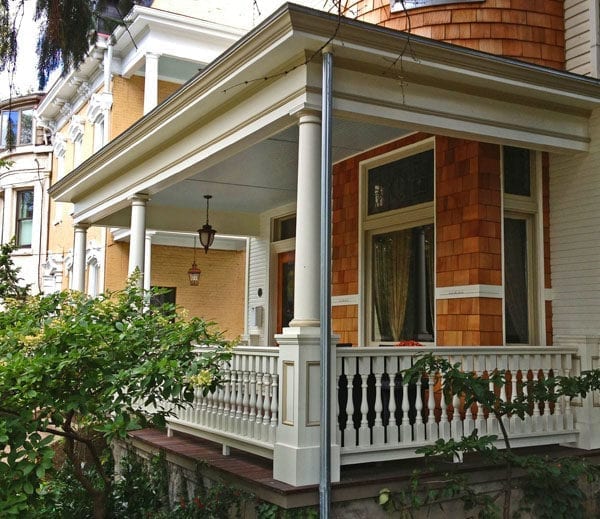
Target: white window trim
x=529 y=208
x=397 y=6
x=414 y=216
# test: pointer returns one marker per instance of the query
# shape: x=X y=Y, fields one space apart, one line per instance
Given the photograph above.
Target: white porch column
x=148 y=261
x=7 y=223
x=79 y=250
x=308 y=217
x=151 y=82
x=297 y=447
x=137 y=237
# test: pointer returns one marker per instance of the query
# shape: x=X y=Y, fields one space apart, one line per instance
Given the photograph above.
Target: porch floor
x=362 y=481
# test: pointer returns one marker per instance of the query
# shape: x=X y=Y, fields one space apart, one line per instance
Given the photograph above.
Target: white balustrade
x=242 y=412
x=375 y=389
x=380 y=415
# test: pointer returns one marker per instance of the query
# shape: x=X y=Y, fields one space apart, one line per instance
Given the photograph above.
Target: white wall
x=575 y=238
x=580 y=29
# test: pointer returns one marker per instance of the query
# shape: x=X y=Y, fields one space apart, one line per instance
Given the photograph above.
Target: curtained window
x=399 y=216
x=402 y=284
x=516 y=279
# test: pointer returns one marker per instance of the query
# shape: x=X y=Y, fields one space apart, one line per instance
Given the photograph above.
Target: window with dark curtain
x=516 y=305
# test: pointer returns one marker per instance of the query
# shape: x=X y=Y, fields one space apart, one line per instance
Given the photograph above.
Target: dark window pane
x=516 y=305
x=517 y=171
x=405 y=182
x=285 y=228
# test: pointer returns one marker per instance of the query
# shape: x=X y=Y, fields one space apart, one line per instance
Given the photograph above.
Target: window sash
x=24 y=218
x=16 y=128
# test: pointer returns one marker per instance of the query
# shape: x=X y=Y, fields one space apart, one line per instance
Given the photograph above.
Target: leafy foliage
x=85 y=368
x=551 y=488
x=9 y=275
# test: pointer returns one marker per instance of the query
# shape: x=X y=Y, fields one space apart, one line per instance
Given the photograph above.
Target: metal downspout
x=325 y=297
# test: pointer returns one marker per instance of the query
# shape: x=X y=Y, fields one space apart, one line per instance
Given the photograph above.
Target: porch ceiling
x=250 y=182
x=232 y=134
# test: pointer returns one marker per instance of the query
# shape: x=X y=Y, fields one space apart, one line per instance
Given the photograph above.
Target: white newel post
x=296 y=456
x=79 y=250
x=137 y=237
x=587 y=410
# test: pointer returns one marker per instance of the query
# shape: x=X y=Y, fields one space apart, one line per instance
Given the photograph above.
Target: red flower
x=408 y=343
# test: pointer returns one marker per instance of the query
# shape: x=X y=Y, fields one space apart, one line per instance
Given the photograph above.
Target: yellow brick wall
x=128 y=101
x=220 y=295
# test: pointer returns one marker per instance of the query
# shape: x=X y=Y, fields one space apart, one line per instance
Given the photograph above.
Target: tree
x=9 y=275
x=68 y=29
x=82 y=369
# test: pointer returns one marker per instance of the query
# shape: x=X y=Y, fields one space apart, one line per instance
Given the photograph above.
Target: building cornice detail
x=100 y=102
x=76 y=127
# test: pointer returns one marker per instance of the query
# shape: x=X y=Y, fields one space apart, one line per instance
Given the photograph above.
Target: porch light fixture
x=207 y=233
x=194 y=271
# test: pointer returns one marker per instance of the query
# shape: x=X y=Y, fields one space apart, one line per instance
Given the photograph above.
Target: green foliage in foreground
x=88 y=370
x=549 y=488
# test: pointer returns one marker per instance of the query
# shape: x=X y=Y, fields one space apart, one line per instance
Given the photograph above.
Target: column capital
x=139 y=199
x=305 y=110
x=81 y=227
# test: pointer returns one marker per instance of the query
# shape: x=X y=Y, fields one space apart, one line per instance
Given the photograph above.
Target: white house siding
x=578 y=36
x=258 y=279
x=575 y=239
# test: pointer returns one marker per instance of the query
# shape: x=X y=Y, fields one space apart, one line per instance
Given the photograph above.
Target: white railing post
x=586 y=410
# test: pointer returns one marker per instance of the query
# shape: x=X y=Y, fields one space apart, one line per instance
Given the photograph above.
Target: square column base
x=296 y=458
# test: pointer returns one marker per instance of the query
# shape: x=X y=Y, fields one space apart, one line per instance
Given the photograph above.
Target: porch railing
x=380 y=416
x=242 y=413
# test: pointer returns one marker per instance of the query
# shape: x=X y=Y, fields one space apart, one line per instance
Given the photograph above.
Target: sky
x=25 y=78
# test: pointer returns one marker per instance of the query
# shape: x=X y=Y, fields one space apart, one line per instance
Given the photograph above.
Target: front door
x=285 y=289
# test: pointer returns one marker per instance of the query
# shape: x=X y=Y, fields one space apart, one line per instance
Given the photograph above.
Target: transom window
x=400 y=246
x=24 y=220
x=16 y=127
x=402 y=183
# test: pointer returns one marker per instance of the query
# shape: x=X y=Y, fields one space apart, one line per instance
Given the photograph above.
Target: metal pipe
x=325 y=317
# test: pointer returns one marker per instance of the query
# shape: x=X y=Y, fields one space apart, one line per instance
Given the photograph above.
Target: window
x=520 y=210
x=284 y=228
x=516 y=280
x=400 y=5
x=16 y=127
x=402 y=284
x=400 y=245
x=24 y=219
x=98 y=134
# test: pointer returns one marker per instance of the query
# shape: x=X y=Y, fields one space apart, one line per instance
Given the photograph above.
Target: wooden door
x=285 y=289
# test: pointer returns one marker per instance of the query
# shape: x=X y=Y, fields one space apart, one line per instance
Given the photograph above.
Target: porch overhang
x=220 y=129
